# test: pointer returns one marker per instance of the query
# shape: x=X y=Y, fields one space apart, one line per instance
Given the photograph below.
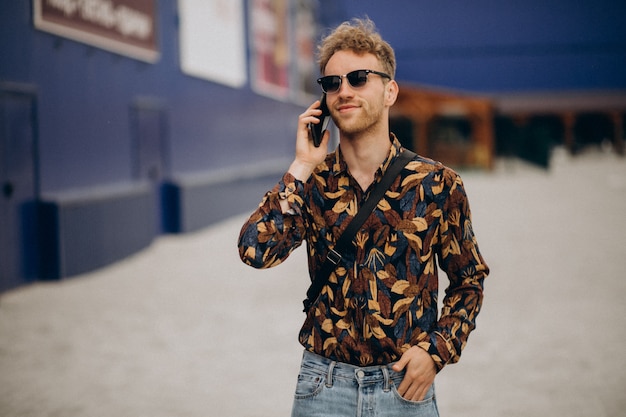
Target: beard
x=368 y=118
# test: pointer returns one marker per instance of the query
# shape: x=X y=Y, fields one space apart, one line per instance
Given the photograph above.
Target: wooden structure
x=453 y=128
x=467 y=131
x=584 y=117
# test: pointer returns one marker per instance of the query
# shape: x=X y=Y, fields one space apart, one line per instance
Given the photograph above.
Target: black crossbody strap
x=334 y=255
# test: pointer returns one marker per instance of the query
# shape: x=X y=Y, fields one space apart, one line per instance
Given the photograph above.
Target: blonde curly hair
x=361 y=37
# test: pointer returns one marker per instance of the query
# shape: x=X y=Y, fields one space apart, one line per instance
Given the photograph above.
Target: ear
x=391 y=92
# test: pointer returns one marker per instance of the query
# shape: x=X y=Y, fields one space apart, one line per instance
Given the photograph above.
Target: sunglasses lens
x=357 y=78
x=330 y=83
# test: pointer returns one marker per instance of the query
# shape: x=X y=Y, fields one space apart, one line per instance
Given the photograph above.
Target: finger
x=415 y=392
x=402 y=390
x=404 y=386
x=399 y=366
x=325 y=138
x=420 y=394
x=411 y=394
x=314 y=108
x=305 y=124
x=307 y=118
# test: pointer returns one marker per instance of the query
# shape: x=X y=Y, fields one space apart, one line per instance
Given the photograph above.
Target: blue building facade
x=101 y=152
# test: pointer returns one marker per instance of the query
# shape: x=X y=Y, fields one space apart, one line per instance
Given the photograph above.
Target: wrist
x=300 y=170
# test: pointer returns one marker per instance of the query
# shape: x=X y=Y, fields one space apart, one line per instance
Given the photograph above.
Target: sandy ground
x=184 y=329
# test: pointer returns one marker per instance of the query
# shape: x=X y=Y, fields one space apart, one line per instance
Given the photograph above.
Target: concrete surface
x=184 y=329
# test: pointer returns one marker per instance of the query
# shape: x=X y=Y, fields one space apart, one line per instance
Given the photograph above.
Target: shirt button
x=360 y=374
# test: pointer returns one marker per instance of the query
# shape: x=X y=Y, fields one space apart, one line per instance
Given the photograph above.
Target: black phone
x=317 y=130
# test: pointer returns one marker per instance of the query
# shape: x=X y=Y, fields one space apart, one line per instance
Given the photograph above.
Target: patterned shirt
x=381 y=299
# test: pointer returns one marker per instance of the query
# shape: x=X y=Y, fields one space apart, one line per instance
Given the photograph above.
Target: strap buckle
x=334 y=257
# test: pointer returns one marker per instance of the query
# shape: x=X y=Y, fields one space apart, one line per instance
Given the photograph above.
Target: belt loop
x=387 y=384
x=329 y=374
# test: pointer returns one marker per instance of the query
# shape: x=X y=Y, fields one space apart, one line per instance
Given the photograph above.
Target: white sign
x=212 y=40
x=127 y=27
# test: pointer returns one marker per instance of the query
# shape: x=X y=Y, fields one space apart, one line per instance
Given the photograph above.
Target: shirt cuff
x=440 y=349
x=290 y=189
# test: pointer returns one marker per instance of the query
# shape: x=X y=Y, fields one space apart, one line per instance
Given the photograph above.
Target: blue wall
x=507 y=45
x=94 y=209
x=84 y=95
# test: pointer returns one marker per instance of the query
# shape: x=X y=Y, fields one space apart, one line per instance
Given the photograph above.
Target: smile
x=346 y=108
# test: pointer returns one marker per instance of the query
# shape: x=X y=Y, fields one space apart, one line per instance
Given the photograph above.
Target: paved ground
x=183 y=329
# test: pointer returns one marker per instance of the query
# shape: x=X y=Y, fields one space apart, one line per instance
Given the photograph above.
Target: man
x=372 y=339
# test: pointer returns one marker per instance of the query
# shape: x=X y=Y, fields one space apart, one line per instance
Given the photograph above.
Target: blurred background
x=124 y=120
x=137 y=135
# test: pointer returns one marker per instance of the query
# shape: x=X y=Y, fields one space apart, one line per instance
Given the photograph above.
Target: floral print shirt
x=381 y=299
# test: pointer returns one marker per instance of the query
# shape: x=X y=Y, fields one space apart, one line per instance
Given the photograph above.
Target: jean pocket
x=426 y=402
x=310 y=383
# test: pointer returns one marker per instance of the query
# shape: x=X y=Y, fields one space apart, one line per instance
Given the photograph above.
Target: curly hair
x=361 y=37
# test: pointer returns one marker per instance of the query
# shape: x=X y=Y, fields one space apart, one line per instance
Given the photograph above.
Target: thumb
x=401 y=364
x=325 y=137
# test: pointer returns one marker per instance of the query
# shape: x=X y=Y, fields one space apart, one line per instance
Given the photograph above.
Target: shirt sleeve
x=466 y=269
x=269 y=236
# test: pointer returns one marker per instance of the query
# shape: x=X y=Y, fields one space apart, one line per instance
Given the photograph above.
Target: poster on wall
x=212 y=40
x=282 y=38
x=126 y=27
x=270 y=48
x=306 y=35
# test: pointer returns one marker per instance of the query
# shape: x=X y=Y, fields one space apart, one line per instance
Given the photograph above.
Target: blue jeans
x=332 y=389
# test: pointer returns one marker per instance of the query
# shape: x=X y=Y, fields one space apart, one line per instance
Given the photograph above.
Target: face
x=357 y=110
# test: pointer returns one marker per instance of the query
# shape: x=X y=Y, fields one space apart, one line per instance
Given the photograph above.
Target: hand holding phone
x=317 y=130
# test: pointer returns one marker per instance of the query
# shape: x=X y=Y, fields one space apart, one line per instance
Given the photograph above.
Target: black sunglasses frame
x=355 y=79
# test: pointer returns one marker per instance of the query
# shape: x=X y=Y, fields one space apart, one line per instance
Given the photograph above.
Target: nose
x=345 y=89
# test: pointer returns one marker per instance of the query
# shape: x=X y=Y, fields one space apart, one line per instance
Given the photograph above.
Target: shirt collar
x=339 y=165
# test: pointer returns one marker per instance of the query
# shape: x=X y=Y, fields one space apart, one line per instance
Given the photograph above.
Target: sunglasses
x=358 y=78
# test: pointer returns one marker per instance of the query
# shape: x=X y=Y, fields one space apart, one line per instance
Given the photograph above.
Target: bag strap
x=334 y=255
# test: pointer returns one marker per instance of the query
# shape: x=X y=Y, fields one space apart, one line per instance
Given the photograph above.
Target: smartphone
x=317 y=130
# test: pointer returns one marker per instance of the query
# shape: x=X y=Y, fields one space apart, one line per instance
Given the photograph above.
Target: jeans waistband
x=363 y=375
